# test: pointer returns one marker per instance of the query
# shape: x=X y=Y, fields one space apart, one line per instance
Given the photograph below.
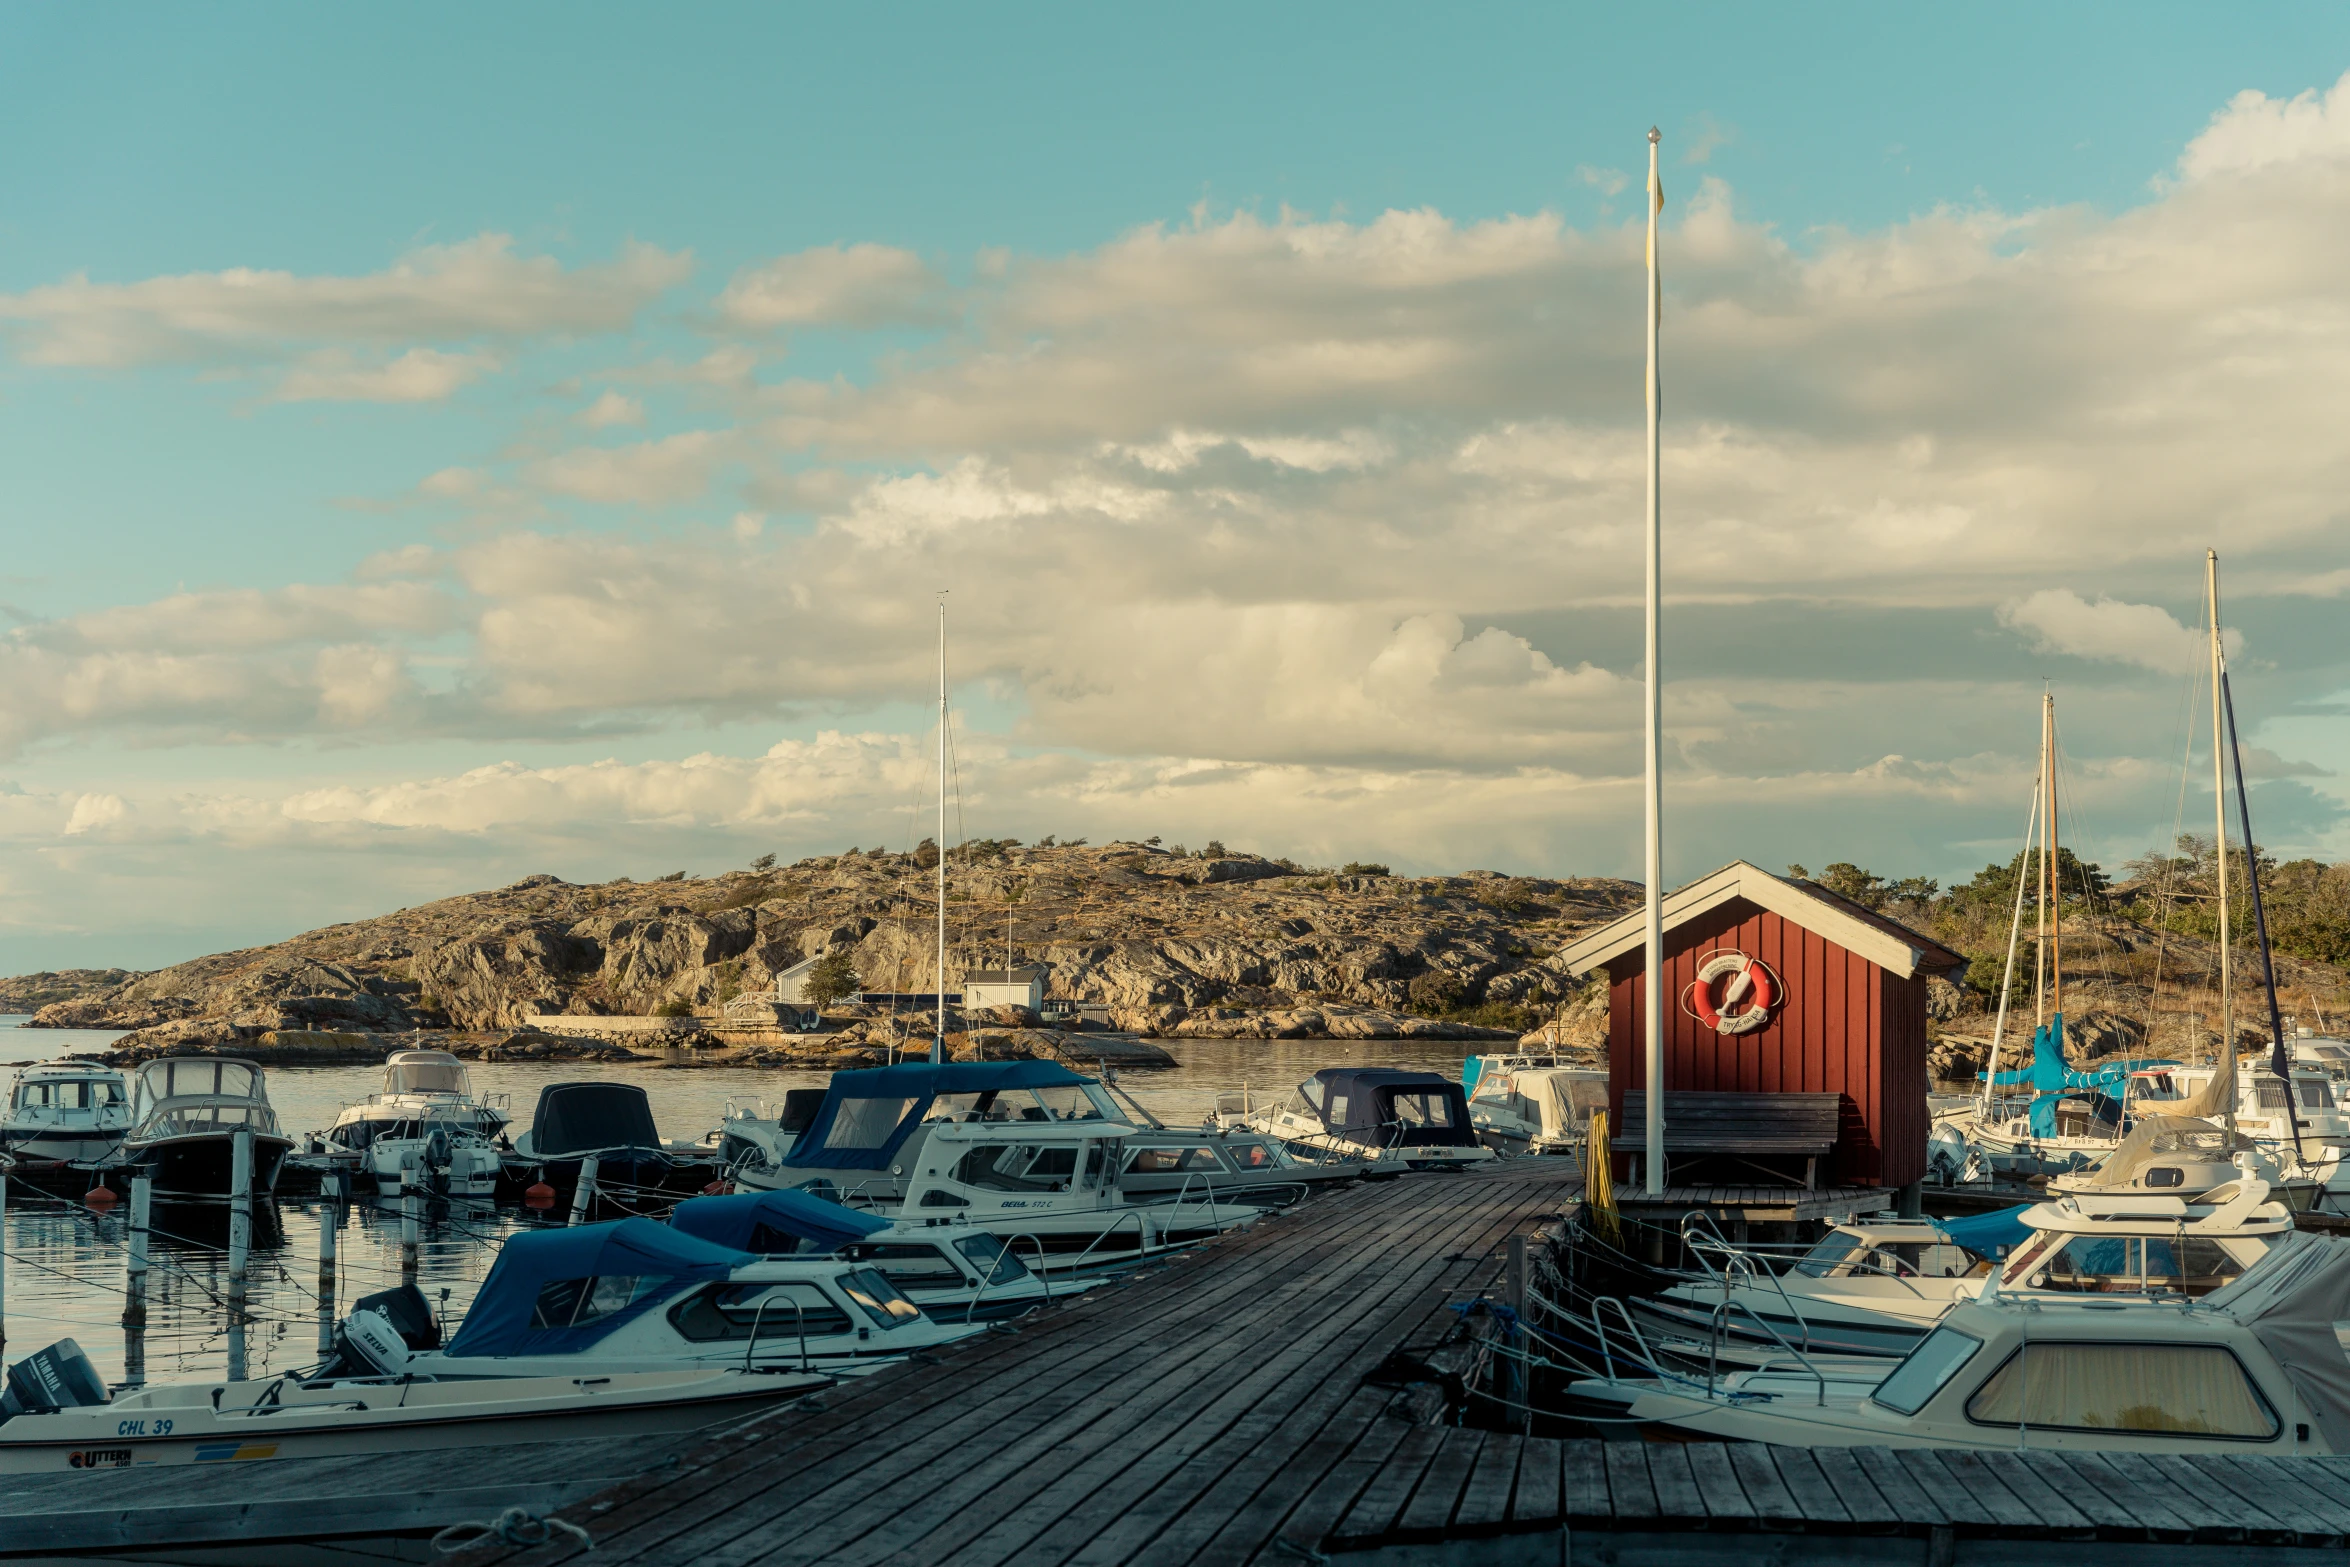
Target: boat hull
x=200 y=1165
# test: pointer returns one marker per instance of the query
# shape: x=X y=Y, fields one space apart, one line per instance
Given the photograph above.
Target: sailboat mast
x=1654 y=1011
x=2219 y=802
x=2055 y=884
x=938 y=1043
x=2039 y=874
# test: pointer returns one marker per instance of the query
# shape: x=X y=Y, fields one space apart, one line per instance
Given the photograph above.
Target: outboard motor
x=409 y=1313
x=59 y=1377
x=382 y=1333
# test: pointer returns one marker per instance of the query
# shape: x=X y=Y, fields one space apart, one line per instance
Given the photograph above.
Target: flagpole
x=1654 y=1011
x=938 y=1042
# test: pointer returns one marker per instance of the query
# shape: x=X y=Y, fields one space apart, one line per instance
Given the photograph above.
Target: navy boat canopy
x=578 y=1118
x=769 y=1222
x=867 y=1116
x=1395 y=1108
x=554 y=1292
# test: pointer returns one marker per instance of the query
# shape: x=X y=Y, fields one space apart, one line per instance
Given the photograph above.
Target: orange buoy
x=100 y=1197
x=539 y=1195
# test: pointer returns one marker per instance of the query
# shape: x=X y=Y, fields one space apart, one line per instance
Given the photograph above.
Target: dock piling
x=134 y=1303
x=240 y=1218
x=585 y=1192
x=409 y=1206
x=3 y=1264
x=330 y=1215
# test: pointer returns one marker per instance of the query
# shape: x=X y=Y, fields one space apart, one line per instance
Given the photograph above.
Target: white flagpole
x=1655 y=1010
x=938 y=1043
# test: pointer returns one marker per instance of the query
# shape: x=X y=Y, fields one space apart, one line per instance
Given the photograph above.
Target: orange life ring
x=1749 y=990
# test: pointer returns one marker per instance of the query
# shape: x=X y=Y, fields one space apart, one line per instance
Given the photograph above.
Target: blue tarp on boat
x=757 y=1221
x=1984 y=1233
x=554 y=1292
x=867 y=1116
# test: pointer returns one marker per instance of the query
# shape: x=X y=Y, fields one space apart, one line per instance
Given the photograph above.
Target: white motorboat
x=2306 y=1130
x=426 y=1128
x=632 y=1295
x=1028 y=1151
x=59 y=1417
x=1391 y=1120
x=953 y=1272
x=1533 y=1104
x=2253 y=1368
x=186 y=1114
x=66 y=1112
x=1876 y=1286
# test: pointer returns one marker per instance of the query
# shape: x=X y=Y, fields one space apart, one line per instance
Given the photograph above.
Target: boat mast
x=2038 y=870
x=938 y=1043
x=2055 y=885
x=2280 y=1061
x=1653 y=1013
x=2219 y=801
x=2015 y=927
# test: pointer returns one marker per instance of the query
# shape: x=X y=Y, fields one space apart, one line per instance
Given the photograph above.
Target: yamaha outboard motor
x=59 y=1377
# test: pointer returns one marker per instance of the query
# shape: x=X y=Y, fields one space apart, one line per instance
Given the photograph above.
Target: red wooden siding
x=1846 y=1027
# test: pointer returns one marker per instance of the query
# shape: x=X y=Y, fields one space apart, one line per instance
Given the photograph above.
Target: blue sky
x=408 y=414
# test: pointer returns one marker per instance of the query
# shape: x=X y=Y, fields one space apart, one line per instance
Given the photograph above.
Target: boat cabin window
x=994 y=1260
x=1418 y=1109
x=2315 y=1094
x=1823 y=1259
x=425 y=1077
x=70 y=1094
x=173 y=1079
x=571 y=1303
x=2153 y=1389
x=2130 y=1265
x=1250 y=1156
x=879 y=1299
x=1911 y=1259
x=1152 y=1161
x=732 y=1311
x=911 y=1267
x=1028 y=1168
x=1924 y=1371
x=866 y=1123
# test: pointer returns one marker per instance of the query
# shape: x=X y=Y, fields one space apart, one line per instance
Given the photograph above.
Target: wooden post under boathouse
x=1794 y=1050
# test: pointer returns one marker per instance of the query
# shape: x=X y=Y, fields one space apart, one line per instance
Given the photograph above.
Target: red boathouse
x=1779 y=987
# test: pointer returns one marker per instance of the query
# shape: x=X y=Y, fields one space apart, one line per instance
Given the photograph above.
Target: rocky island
x=1168 y=943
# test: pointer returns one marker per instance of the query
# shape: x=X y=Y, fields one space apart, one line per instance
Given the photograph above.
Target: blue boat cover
x=2050 y=1076
x=1363 y=1101
x=852 y=1131
x=1984 y=1233
x=555 y=1292
x=744 y=1221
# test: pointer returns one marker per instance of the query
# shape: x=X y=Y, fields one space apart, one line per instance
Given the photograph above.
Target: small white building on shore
x=996 y=987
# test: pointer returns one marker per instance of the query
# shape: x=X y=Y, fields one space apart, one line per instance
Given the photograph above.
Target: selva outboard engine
x=381 y=1333
x=59 y=1377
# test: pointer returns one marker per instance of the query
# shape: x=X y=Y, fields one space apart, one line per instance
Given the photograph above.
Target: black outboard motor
x=59 y=1377
x=381 y=1333
x=409 y=1312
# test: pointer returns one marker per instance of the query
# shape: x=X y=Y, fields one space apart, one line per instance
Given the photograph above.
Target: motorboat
x=611 y=1124
x=1224 y=1158
x=632 y=1295
x=1876 y=1286
x=58 y=1416
x=186 y=1113
x=425 y=1128
x=953 y=1272
x=2305 y=1128
x=1533 y=1104
x=754 y=1135
x=2252 y=1368
x=66 y=1112
x=1391 y=1120
x=1028 y=1151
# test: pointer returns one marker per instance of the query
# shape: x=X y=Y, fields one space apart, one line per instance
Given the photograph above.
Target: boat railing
x=1608 y=1353
x=759 y=1317
x=1713 y=1347
x=1737 y=1264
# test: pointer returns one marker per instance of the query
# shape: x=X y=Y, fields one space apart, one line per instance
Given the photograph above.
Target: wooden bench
x=1801 y=1126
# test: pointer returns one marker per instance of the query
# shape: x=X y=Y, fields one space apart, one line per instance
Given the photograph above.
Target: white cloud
x=476 y=288
x=421 y=375
x=2059 y=620
x=863 y=285
x=647 y=473
x=613 y=408
x=2256 y=131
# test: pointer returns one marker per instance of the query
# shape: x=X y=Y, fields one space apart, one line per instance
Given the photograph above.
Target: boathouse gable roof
x=1888 y=943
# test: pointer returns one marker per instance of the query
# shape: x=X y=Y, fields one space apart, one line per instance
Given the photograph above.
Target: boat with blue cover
x=1391 y=1119
x=1027 y=1151
x=633 y=1295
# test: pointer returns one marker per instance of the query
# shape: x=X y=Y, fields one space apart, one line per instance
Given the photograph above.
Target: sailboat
x=2287 y=1107
x=2068 y=1118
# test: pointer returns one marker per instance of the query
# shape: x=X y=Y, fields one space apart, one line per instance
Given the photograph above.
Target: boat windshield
x=69 y=1093
x=432 y=1075
x=1824 y=1258
x=879 y=1299
x=2135 y=1265
x=186 y=1076
x=1925 y=1369
x=992 y=1258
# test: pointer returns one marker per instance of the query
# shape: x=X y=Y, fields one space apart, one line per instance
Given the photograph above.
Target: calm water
x=65 y=1264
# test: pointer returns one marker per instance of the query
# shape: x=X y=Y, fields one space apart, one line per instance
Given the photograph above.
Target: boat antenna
x=938 y=1042
x=2219 y=792
x=1654 y=1058
x=2280 y=1061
